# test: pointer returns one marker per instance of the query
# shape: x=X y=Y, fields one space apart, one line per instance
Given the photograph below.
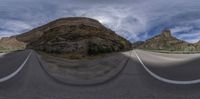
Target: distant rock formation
x=165 y=41
x=137 y=44
x=73 y=35
x=11 y=44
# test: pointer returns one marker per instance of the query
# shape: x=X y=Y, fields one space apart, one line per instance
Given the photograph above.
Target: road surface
x=10 y=62
x=177 y=67
x=134 y=82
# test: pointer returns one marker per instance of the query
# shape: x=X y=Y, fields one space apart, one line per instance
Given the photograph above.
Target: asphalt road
x=178 y=67
x=134 y=82
x=10 y=62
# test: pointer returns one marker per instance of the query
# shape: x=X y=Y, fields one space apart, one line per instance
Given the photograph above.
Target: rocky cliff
x=79 y=37
x=165 y=41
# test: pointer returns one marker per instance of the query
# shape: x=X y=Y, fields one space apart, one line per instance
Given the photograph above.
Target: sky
x=133 y=19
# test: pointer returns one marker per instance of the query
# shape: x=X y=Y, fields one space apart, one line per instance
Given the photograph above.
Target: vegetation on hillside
x=81 y=39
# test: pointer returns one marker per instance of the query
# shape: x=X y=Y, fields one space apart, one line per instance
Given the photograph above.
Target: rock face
x=79 y=37
x=166 y=33
x=165 y=41
x=36 y=33
x=11 y=44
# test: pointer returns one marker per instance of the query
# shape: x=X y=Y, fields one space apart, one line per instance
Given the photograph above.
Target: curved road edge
x=166 y=80
x=17 y=71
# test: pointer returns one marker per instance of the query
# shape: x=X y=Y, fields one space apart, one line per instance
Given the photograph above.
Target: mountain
x=137 y=44
x=197 y=43
x=75 y=37
x=36 y=33
x=11 y=44
x=165 y=41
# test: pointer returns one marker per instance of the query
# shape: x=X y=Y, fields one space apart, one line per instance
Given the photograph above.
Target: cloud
x=132 y=19
x=13 y=27
x=6 y=33
x=192 y=36
x=181 y=29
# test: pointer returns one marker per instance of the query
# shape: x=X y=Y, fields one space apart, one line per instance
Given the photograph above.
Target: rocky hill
x=11 y=44
x=36 y=33
x=197 y=43
x=165 y=41
x=73 y=34
x=79 y=37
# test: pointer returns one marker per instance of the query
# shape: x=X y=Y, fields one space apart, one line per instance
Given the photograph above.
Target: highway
x=134 y=82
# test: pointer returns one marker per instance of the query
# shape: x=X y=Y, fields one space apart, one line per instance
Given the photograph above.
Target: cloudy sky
x=132 y=19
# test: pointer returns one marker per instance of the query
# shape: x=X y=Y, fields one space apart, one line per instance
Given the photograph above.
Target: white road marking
x=17 y=71
x=2 y=54
x=165 y=79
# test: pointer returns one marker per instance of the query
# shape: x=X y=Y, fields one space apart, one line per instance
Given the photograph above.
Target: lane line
x=17 y=71
x=2 y=54
x=165 y=79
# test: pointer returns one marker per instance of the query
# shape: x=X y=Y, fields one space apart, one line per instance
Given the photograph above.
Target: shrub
x=94 y=49
x=190 y=48
x=122 y=43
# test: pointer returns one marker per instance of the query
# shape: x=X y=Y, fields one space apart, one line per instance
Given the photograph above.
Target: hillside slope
x=80 y=37
x=11 y=44
x=165 y=41
x=36 y=33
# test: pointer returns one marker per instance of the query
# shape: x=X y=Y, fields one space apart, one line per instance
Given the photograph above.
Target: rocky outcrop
x=79 y=37
x=36 y=33
x=11 y=44
x=165 y=41
x=166 y=33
